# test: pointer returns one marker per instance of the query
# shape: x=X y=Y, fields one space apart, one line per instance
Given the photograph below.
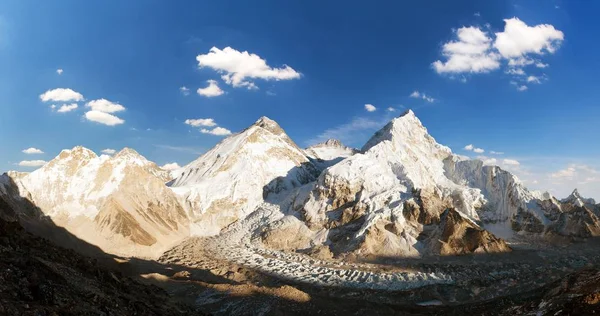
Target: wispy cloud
x=185 y=149
x=353 y=132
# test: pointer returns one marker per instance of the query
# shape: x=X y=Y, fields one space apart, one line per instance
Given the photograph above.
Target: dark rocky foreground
x=39 y=278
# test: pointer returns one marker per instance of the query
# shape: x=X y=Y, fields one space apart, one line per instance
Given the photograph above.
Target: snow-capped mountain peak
x=328 y=153
x=230 y=180
x=576 y=199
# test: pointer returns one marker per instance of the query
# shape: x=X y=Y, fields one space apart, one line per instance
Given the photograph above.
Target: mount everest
x=401 y=195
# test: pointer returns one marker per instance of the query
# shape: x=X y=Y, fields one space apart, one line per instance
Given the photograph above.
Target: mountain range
x=401 y=195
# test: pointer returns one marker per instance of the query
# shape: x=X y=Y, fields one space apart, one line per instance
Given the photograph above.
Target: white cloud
x=32 y=150
x=184 y=90
x=103 y=118
x=61 y=94
x=391 y=109
x=583 y=177
x=103 y=105
x=488 y=161
x=218 y=131
x=67 y=108
x=53 y=106
x=32 y=163
x=516 y=72
x=496 y=152
x=471 y=147
x=171 y=166
x=201 y=122
x=59 y=71
x=510 y=162
x=475 y=51
x=477 y=14
x=417 y=95
x=108 y=151
x=370 y=107
x=520 y=62
x=533 y=79
x=470 y=53
x=212 y=90
x=237 y=68
x=519 y=39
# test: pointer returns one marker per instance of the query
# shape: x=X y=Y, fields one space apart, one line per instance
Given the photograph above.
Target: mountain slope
x=233 y=178
x=108 y=201
x=39 y=278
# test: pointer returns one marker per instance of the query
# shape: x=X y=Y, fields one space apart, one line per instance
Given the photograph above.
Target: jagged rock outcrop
x=457 y=235
x=228 y=182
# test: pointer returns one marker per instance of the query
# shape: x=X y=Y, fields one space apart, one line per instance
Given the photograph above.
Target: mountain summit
x=228 y=182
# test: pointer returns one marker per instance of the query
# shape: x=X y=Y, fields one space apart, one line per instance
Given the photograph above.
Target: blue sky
x=312 y=67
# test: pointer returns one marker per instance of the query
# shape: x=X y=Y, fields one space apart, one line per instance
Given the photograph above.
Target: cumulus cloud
x=201 y=122
x=32 y=163
x=474 y=51
x=516 y=72
x=67 y=108
x=184 y=90
x=470 y=53
x=239 y=68
x=510 y=162
x=212 y=90
x=103 y=118
x=61 y=95
x=418 y=95
x=533 y=79
x=488 y=160
x=520 y=62
x=472 y=148
x=105 y=106
x=108 y=151
x=100 y=112
x=370 y=107
x=391 y=109
x=218 y=131
x=32 y=150
x=171 y=166
x=59 y=71
x=519 y=39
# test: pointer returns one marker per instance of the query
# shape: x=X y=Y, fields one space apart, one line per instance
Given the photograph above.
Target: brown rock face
x=577 y=221
x=457 y=235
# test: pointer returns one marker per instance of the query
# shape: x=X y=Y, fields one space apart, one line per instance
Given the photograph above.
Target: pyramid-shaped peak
x=269 y=124
x=575 y=193
x=406 y=128
x=408 y=113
